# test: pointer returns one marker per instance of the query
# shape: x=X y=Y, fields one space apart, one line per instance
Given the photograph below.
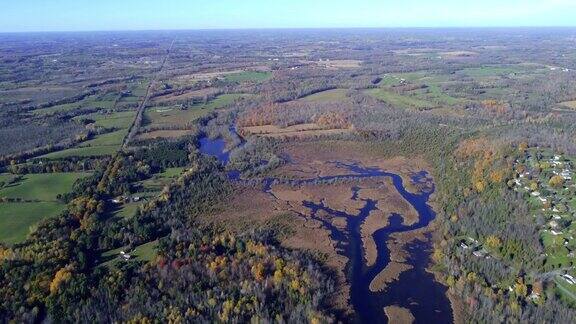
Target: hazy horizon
x=132 y=15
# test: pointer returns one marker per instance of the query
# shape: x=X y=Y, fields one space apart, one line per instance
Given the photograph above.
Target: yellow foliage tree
x=556 y=181
x=438 y=255
x=258 y=271
x=520 y=288
x=61 y=276
x=493 y=242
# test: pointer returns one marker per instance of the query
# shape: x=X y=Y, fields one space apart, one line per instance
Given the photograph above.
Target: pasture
x=39 y=194
x=166 y=117
x=103 y=144
x=16 y=219
x=248 y=76
x=398 y=100
x=82 y=152
x=41 y=187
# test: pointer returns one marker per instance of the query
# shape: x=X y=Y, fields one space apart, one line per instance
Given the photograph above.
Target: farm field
x=43 y=187
x=248 y=76
x=105 y=102
x=82 y=152
x=39 y=194
x=17 y=218
x=397 y=100
x=103 y=144
x=160 y=117
x=118 y=120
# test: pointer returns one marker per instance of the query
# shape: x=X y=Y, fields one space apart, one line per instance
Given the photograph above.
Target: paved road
x=139 y=115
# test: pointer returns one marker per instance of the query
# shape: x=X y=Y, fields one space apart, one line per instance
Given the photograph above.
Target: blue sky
x=73 y=15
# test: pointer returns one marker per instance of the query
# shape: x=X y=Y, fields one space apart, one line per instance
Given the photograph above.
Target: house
x=534 y=296
x=535 y=193
x=553 y=224
x=464 y=246
x=480 y=253
x=125 y=256
x=569 y=279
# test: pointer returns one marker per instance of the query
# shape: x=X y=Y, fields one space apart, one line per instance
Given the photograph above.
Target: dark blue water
x=215 y=147
x=416 y=289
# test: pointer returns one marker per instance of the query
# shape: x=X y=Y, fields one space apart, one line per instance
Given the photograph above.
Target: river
x=416 y=289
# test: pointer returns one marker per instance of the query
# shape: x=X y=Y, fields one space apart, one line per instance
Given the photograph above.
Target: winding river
x=416 y=289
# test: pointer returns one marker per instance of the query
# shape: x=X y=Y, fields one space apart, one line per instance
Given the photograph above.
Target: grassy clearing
x=163 y=134
x=499 y=70
x=158 y=181
x=118 y=120
x=248 y=76
x=104 y=144
x=108 y=139
x=44 y=187
x=106 y=102
x=151 y=188
x=398 y=100
x=145 y=252
x=327 y=96
x=565 y=289
x=128 y=210
x=82 y=152
x=174 y=116
x=16 y=219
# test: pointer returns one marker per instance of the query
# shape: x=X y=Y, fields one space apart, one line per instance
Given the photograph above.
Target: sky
x=91 y=15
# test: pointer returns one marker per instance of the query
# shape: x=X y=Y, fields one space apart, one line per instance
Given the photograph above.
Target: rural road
x=139 y=115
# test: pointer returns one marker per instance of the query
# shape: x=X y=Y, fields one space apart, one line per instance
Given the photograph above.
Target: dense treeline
x=54 y=274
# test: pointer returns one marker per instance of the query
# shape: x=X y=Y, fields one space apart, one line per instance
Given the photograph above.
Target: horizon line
x=287 y=28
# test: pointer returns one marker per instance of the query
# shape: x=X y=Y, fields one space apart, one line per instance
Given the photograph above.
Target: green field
x=145 y=252
x=118 y=120
x=16 y=219
x=327 y=96
x=565 y=289
x=106 y=102
x=501 y=70
x=43 y=187
x=158 y=181
x=151 y=188
x=104 y=144
x=248 y=76
x=82 y=152
x=398 y=100
x=138 y=91
x=109 y=139
x=174 y=116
